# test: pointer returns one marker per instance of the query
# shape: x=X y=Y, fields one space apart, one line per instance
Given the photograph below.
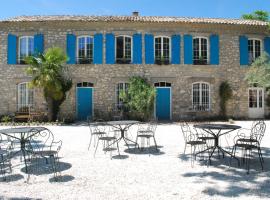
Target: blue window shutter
x=137 y=48
x=188 y=49
x=149 y=48
x=267 y=45
x=71 y=48
x=12 y=49
x=110 y=48
x=214 y=50
x=176 y=42
x=39 y=43
x=98 y=48
x=243 y=47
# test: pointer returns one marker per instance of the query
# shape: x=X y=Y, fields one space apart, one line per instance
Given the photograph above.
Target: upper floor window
x=162 y=50
x=123 y=49
x=85 y=50
x=121 y=87
x=26 y=48
x=254 y=49
x=201 y=96
x=25 y=100
x=200 y=51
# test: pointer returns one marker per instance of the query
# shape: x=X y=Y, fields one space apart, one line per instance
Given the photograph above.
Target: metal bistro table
x=23 y=135
x=123 y=126
x=217 y=130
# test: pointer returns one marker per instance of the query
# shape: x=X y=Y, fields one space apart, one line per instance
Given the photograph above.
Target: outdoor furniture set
x=206 y=138
x=111 y=133
x=31 y=143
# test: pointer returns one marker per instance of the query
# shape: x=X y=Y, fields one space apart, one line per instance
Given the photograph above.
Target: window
x=163 y=84
x=162 y=50
x=85 y=50
x=119 y=88
x=25 y=98
x=26 y=48
x=255 y=98
x=200 y=51
x=201 y=96
x=254 y=49
x=85 y=84
x=123 y=49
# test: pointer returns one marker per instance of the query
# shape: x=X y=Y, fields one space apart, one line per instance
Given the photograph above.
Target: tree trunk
x=50 y=108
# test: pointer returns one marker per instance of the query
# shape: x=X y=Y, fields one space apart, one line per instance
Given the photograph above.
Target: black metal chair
x=146 y=132
x=192 y=139
x=108 y=137
x=95 y=131
x=43 y=145
x=248 y=140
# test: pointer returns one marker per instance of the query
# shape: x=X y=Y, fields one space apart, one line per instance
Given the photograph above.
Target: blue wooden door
x=163 y=103
x=84 y=103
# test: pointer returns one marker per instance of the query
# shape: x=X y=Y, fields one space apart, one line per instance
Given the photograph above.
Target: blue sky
x=192 y=8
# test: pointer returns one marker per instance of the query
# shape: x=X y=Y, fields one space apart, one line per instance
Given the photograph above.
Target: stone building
x=186 y=59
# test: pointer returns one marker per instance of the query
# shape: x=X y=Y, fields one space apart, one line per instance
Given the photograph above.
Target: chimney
x=135 y=14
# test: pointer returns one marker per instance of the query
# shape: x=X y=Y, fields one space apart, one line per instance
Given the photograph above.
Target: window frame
x=85 y=48
x=254 y=52
x=200 y=96
x=19 y=61
x=19 y=104
x=117 y=101
x=124 y=49
x=170 y=47
x=200 y=51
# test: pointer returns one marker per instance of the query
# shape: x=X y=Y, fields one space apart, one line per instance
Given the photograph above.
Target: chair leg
x=185 y=148
x=260 y=158
x=96 y=148
x=90 y=142
x=155 y=143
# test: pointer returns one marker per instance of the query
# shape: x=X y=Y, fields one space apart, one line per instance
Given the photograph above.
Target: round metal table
x=123 y=126
x=23 y=135
x=217 y=130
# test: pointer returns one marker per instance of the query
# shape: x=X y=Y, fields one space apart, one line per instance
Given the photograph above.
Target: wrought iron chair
x=248 y=140
x=43 y=145
x=107 y=137
x=95 y=131
x=5 y=163
x=146 y=133
x=192 y=139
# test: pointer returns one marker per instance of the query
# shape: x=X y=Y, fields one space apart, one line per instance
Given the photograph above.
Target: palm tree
x=49 y=74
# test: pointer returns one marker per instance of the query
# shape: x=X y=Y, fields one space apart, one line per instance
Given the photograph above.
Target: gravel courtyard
x=140 y=175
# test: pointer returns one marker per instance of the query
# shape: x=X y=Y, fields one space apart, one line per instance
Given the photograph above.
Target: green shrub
x=6 y=119
x=225 y=93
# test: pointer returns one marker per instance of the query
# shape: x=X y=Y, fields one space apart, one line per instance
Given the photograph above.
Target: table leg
x=24 y=154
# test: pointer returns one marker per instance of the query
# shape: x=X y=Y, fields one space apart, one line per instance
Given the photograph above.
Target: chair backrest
x=258 y=130
x=152 y=126
x=41 y=140
x=186 y=131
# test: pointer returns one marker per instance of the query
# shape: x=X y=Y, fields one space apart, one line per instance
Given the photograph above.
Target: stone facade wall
x=105 y=77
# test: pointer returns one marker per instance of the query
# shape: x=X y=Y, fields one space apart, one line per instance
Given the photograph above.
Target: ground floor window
x=121 y=87
x=25 y=100
x=201 y=96
x=255 y=98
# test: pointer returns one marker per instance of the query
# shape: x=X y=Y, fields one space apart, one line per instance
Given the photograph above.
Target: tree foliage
x=257 y=15
x=259 y=72
x=225 y=93
x=139 y=98
x=49 y=74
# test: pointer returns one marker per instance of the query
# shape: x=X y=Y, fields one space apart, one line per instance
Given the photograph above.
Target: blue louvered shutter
x=267 y=45
x=39 y=43
x=214 y=49
x=243 y=47
x=176 y=43
x=71 y=48
x=137 y=48
x=98 y=48
x=12 y=49
x=188 y=50
x=149 y=48
x=110 y=48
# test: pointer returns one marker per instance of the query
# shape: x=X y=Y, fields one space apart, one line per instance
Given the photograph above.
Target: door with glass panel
x=256 y=102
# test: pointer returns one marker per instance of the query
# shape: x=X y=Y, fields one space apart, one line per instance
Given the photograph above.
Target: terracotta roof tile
x=149 y=19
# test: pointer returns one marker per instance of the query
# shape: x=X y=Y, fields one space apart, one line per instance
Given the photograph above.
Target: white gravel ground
x=164 y=175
